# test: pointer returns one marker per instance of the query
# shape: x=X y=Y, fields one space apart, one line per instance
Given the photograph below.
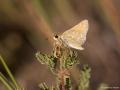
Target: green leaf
x=84 y=78
x=68 y=84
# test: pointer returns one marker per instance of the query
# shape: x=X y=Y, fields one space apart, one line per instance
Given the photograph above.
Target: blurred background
x=28 y=26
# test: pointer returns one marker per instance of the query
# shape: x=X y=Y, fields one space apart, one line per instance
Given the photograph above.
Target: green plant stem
x=4 y=81
x=9 y=73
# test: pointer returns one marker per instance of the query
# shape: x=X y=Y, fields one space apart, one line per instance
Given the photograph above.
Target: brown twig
x=63 y=72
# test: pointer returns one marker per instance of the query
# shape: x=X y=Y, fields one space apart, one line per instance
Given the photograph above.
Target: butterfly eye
x=56 y=36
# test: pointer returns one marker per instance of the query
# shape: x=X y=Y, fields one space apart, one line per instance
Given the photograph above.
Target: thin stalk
x=62 y=75
x=9 y=82
x=4 y=81
x=9 y=72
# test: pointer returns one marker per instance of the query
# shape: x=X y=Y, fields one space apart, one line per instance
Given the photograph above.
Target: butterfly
x=76 y=36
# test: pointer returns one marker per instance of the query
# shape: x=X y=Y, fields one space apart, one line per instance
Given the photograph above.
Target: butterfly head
x=58 y=40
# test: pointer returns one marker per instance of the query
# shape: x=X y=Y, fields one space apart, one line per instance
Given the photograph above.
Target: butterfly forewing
x=76 y=36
